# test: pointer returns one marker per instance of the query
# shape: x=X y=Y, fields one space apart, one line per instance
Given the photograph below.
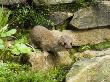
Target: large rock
x=59 y=16
x=93 y=36
x=83 y=37
x=91 y=54
x=92 y=17
x=48 y=2
x=94 y=70
x=11 y=2
x=40 y=62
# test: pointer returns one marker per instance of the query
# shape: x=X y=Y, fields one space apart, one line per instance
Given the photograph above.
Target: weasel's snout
x=68 y=46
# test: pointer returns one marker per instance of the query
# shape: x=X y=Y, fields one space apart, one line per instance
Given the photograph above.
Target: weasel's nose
x=68 y=46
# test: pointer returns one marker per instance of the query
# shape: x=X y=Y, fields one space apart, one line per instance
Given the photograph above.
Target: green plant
x=4 y=33
x=12 y=72
x=101 y=46
x=85 y=47
x=20 y=48
x=4 y=29
x=16 y=48
x=3 y=17
x=25 y=17
x=4 y=49
x=60 y=73
x=82 y=2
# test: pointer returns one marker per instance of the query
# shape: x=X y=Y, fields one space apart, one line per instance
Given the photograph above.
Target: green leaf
x=1 y=16
x=12 y=31
x=1 y=44
x=20 y=48
x=15 y=51
x=24 y=49
x=4 y=29
x=5 y=18
x=1 y=41
x=8 y=33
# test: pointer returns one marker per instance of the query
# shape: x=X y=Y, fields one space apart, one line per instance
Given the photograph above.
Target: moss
x=99 y=46
x=11 y=72
x=84 y=48
x=72 y=52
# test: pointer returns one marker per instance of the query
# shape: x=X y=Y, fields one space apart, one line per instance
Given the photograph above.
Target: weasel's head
x=66 y=41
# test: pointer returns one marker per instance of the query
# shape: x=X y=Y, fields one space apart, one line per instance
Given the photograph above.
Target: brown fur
x=43 y=38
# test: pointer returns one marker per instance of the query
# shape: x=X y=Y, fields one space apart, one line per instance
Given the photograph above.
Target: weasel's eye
x=64 y=44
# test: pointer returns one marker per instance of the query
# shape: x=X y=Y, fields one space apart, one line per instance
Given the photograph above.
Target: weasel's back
x=42 y=37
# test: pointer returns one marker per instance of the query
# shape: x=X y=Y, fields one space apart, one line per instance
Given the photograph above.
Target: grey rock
x=92 y=53
x=48 y=2
x=90 y=70
x=36 y=2
x=59 y=16
x=93 y=36
x=40 y=62
x=92 y=17
x=11 y=2
x=64 y=58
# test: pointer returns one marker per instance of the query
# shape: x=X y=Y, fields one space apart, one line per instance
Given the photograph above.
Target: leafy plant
x=4 y=32
x=25 y=17
x=12 y=72
x=85 y=47
x=3 y=17
x=2 y=44
x=4 y=49
x=20 y=45
x=19 y=48
x=82 y=2
x=16 y=48
x=99 y=46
